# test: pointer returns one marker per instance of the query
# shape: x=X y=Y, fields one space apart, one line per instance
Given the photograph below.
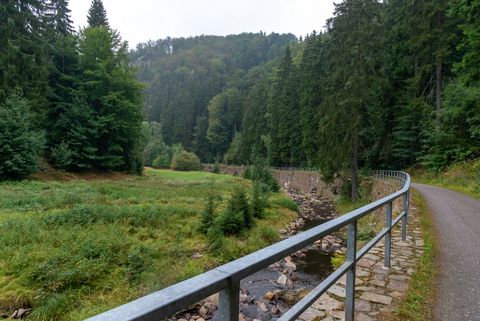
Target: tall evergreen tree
x=354 y=86
x=283 y=112
x=23 y=53
x=97 y=15
x=115 y=97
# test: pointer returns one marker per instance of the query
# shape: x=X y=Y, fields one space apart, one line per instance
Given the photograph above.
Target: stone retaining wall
x=302 y=181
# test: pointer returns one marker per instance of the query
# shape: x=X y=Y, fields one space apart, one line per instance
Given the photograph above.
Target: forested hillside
x=184 y=74
x=386 y=85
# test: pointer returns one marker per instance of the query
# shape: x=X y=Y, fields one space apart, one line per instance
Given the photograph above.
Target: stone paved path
x=457 y=221
x=377 y=288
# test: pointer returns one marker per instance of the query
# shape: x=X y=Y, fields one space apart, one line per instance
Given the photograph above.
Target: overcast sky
x=143 y=20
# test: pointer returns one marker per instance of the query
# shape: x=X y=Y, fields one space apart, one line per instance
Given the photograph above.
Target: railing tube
x=406 y=203
x=350 y=284
x=228 y=302
x=388 y=236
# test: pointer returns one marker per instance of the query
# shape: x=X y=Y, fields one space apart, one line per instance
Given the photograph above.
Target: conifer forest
x=386 y=84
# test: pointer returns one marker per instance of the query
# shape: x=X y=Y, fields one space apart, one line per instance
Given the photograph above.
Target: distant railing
x=226 y=278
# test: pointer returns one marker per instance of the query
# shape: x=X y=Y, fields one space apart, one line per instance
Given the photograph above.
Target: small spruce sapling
x=208 y=214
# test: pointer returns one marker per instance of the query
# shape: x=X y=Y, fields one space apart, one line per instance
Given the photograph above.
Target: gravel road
x=457 y=220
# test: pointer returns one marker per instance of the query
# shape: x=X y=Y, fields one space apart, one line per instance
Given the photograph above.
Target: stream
x=270 y=292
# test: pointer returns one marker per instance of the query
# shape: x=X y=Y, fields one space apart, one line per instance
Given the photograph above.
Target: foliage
x=63 y=243
x=260 y=172
x=462 y=176
x=20 y=143
x=97 y=15
x=80 y=88
x=116 y=96
x=259 y=201
x=208 y=214
x=183 y=75
x=216 y=168
x=184 y=161
x=337 y=260
x=230 y=223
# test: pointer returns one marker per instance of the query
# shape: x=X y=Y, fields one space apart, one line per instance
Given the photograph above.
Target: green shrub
x=208 y=215
x=137 y=262
x=61 y=156
x=231 y=223
x=237 y=216
x=259 y=201
x=259 y=171
x=239 y=204
x=159 y=154
x=20 y=143
x=185 y=161
x=216 y=168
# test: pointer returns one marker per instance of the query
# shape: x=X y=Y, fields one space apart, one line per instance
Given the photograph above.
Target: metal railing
x=225 y=279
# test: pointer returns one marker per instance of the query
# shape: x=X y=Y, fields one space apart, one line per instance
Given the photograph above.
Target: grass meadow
x=72 y=249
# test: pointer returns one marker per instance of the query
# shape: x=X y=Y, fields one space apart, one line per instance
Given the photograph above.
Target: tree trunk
x=438 y=91
x=354 y=166
x=439 y=78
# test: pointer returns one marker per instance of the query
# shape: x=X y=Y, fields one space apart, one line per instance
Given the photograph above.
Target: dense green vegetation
x=387 y=85
x=463 y=177
x=76 y=92
x=75 y=248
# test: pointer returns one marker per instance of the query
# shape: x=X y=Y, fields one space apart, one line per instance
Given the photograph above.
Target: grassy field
x=461 y=177
x=72 y=249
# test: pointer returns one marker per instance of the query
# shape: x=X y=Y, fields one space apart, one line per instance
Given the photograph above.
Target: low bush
x=208 y=215
x=259 y=201
x=259 y=171
x=185 y=161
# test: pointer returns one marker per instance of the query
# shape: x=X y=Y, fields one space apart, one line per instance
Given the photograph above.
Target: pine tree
x=312 y=68
x=23 y=53
x=239 y=204
x=114 y=94
x=283 y=113
x=208 y=214
x=20 y=142
x=258 y=200
x=58 y=17
x=352 y=102
x=97 y=15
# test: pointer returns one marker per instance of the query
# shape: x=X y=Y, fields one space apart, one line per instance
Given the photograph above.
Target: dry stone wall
x=302 y=181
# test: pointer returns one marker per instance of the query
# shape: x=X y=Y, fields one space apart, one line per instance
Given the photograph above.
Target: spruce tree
x=352 y=105
x=24 y=54
x=115 y=96
x=20 y=141
x=283 y=112
x=97 y=15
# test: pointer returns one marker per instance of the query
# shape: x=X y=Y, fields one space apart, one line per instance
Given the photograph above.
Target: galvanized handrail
x=226 y=278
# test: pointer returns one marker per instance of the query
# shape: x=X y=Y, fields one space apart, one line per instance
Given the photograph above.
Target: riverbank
x=269 y=293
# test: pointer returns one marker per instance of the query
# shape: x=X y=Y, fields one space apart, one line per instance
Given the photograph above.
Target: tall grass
x=73 y=249
x=463 y=177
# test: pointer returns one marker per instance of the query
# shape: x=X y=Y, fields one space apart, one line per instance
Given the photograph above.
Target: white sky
x=143 y=20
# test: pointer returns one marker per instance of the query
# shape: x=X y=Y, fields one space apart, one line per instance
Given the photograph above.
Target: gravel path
x=457 y=220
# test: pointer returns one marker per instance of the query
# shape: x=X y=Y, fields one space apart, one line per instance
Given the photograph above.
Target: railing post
x=228 y=302
x=404 y=218
x=350 y=285
x=388 y=236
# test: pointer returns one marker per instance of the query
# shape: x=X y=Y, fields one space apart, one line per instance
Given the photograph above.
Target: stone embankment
x=303 y=181
x=378 y=289
x=272 y=291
